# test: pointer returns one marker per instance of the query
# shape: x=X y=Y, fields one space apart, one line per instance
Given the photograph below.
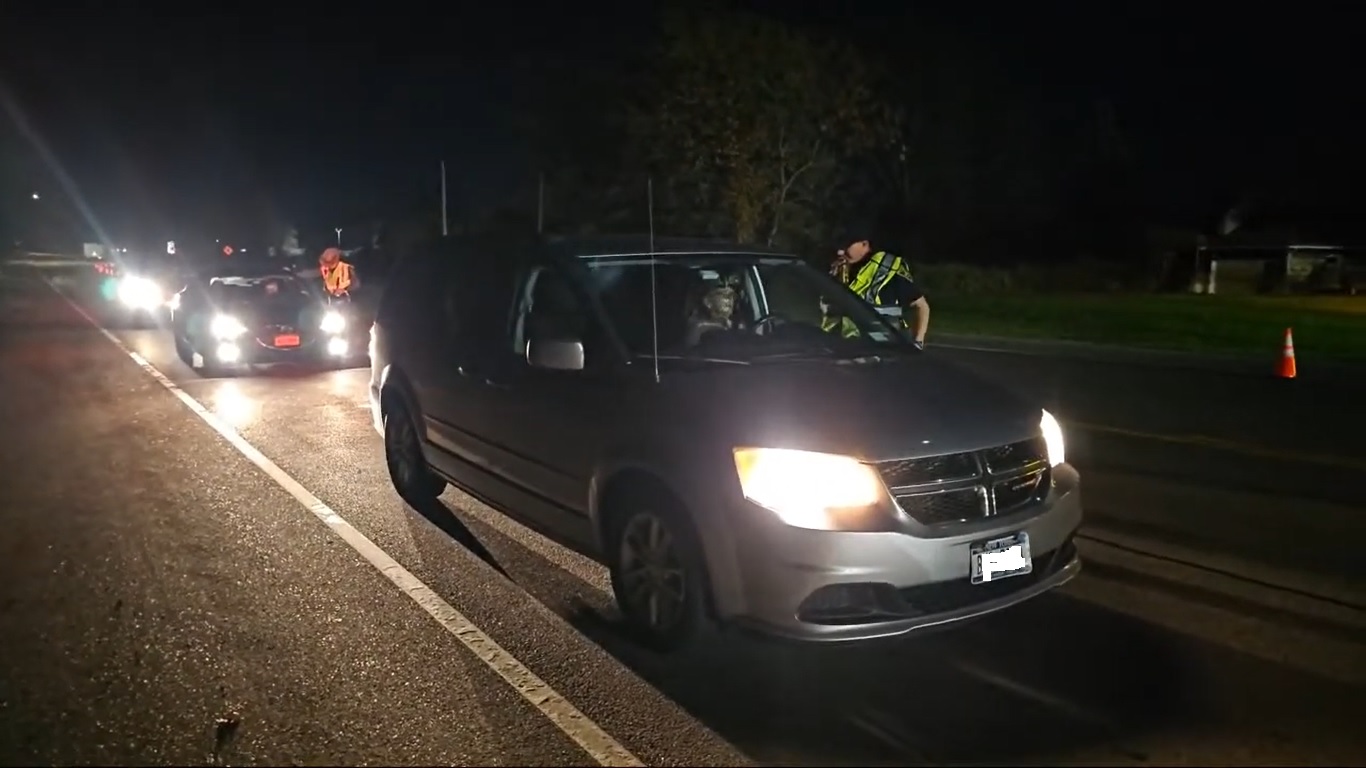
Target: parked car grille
x=969 y=486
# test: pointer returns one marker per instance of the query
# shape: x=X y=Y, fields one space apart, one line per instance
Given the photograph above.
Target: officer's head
x=857 y=250
x=330 y=257
x=854 y=244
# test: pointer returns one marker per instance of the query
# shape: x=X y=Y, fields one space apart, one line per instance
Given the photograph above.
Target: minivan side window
x=410 y=290
x=477 y=300
x=549 y=307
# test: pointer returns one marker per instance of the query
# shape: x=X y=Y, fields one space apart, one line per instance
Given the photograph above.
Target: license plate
x=1000 y=558
x=287 y=340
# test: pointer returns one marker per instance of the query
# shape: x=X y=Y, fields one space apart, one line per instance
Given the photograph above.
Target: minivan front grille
x=934 y=469
x=961 y=487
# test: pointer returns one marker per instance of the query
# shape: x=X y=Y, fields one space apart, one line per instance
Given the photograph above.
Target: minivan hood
x=899 y=408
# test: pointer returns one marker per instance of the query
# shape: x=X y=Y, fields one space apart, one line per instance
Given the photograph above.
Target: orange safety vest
x=337 y=279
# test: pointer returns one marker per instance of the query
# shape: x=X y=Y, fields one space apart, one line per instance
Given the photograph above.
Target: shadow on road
x=1046 y=679
x=438 y=514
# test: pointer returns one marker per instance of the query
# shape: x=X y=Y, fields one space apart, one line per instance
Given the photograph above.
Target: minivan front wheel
x=657 y=575
x=408 y=469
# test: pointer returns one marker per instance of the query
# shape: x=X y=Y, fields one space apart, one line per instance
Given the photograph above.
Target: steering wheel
x=772 y=320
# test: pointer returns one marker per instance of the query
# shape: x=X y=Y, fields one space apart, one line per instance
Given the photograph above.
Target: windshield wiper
x=824 y=356
x=822 y=352
x=694 y=359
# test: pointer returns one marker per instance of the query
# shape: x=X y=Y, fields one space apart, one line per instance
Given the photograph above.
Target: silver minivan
x=678 y=409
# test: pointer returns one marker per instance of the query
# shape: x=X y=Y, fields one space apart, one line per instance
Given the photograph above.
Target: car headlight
x=822 y=491
x=333 y=322
x=139 y=292
x=226 y=327
x=1052 y=437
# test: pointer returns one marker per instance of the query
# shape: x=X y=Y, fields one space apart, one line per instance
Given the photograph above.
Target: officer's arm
x=922 y=317
x=913 y=299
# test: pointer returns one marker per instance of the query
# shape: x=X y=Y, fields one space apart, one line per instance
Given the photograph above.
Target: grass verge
x=1325 y=327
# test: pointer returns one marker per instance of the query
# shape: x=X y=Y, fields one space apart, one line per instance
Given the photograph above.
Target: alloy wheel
x=652 y=573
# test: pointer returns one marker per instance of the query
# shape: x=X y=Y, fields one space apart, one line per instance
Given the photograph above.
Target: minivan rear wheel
x=657 y=574
x=408 y=469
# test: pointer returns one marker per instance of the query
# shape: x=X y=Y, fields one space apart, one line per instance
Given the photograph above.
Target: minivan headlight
x=1052 y=437
x=807 y=489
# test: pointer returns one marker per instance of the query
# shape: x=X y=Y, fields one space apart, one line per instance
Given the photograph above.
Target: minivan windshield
x=735 y=306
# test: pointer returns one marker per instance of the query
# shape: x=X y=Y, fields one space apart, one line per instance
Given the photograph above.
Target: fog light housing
x=336 y=347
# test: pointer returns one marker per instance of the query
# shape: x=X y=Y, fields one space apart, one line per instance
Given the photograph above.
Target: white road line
x=599 y=745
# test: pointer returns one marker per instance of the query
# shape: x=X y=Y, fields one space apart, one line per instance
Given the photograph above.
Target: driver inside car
x=716 y=311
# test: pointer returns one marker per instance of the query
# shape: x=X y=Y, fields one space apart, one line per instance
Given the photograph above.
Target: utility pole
x=444 y=229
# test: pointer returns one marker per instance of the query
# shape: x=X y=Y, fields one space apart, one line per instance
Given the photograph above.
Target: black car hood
x=296 y=313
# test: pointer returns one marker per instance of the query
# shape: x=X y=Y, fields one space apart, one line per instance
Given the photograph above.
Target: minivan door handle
x=470 y=372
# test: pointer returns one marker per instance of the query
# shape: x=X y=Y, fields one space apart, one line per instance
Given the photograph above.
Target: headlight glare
x=1052 y=437
x=807 y=489
x=226 y=327
x=139 y=292
x=333 y=322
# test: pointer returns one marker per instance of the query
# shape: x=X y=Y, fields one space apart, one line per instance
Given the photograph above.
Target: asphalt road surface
x=243 y=586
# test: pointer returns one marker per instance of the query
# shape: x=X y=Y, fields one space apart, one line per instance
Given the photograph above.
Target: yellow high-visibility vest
x=867 y=283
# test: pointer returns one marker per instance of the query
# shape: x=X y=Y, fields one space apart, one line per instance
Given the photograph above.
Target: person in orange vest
x=338 y=276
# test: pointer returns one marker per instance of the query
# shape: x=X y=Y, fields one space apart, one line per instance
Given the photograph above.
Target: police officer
x=883 y=280
x=338 y=276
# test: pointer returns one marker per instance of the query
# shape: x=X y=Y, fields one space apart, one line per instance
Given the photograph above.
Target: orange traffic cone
x=1286 y=370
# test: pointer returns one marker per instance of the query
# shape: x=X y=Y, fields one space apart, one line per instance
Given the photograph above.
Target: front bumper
x=824 y=586
x=254 y=351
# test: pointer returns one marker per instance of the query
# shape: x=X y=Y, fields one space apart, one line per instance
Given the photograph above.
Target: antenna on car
x=654 y=300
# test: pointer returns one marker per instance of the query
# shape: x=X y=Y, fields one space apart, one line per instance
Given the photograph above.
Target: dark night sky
x=168 y=124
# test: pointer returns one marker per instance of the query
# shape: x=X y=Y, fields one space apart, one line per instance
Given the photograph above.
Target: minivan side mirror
x=555 y=354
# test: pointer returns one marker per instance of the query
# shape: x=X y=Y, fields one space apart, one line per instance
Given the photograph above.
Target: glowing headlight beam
x=226 y=327
x=139 y=293
x=807 y=489
x=333 y=322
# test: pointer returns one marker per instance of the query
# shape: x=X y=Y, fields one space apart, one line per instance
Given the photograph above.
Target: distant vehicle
x=677 y=409
x=253 y=312
x=144 y=285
